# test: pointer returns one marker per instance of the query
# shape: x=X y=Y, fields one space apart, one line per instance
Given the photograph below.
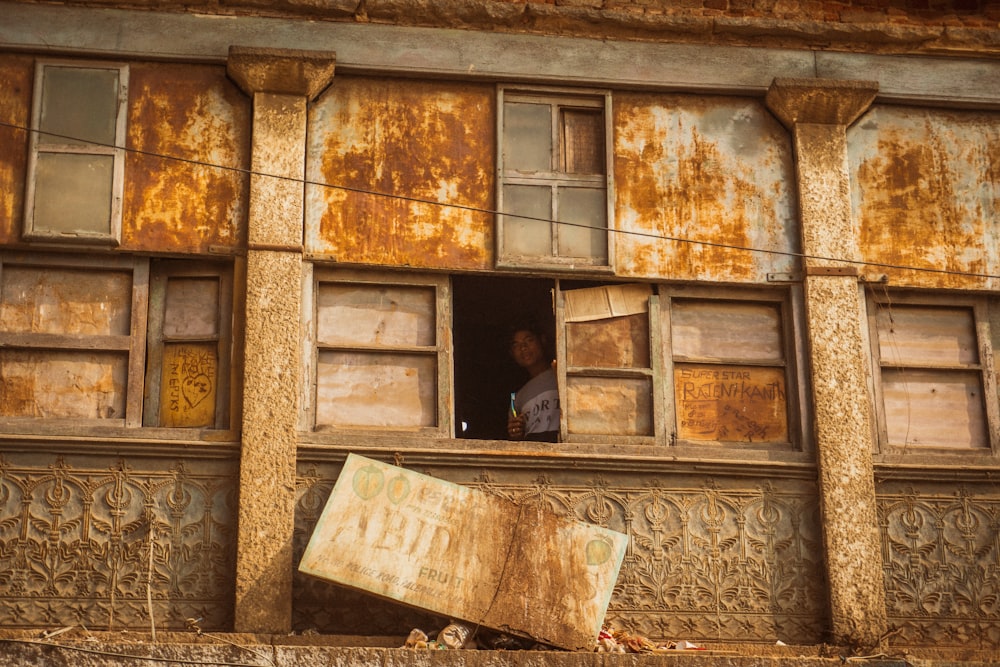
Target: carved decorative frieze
x=100 y=542
x=941 y=558
x=734 y=559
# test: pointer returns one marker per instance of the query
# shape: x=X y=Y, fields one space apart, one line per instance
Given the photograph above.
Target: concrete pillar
x=281 y=83
x=818 y=112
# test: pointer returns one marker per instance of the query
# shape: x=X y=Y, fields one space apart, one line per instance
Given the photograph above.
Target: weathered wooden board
x=465 y=554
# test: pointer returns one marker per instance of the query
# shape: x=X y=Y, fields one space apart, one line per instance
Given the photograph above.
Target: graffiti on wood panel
x=731 y=404
x=188 y=395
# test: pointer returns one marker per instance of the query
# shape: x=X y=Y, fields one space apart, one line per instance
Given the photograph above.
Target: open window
x=647 y=365
x=77 y=158
x=485 y=309
x=935 y=383
x=554 y=178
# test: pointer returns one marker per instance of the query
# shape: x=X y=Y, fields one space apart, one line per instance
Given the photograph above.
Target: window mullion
x=984 y=338
x=656 y=371
x=137 y=356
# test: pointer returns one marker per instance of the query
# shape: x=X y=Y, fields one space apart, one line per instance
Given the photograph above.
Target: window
x=685 y=366
x=382 y=353
x=73 y=336
x=554 y=176
x=188 y=344
x=934 y=378
x=609 y=359
x=641 y=365
x=730 y=370
x=76 y=164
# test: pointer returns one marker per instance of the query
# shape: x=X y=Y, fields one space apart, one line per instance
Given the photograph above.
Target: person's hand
x=515 y=427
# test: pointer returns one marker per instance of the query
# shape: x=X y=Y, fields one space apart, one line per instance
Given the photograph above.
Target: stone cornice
x=390 y=50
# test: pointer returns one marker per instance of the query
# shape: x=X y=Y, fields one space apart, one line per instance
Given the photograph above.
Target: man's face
x=526 y=349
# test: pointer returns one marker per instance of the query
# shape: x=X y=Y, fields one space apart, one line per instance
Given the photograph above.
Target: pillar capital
x=280 y=71
x=821 y=101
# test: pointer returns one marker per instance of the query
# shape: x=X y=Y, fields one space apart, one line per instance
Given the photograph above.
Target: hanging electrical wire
x=492 y=212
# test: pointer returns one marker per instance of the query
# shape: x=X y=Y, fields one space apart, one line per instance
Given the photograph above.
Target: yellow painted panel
x=190 y=381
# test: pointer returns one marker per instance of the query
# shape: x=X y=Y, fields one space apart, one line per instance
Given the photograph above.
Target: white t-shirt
x=539 y=401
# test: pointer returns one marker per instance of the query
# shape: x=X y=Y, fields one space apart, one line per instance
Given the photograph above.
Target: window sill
x=606 y=457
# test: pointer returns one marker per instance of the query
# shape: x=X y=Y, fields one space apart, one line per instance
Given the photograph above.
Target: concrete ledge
x=78 y=648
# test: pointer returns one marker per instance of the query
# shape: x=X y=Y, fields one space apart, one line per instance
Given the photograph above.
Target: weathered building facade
x=238 y=243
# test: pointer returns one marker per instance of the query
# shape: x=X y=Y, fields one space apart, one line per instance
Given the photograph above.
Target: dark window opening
x=485 y=309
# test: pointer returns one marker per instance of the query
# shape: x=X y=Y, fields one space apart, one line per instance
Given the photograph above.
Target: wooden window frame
x=312 y=281
x=796 y=382
x=664 y=411
x=144 y=361
x=160 y=273
x=133 y=344
x=980 y=309
x=117 y=152
x=560 y=98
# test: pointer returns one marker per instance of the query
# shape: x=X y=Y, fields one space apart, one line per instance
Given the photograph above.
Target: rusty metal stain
x=15 y=106
x=926 y=190
x=422 y=140
x=717 y=170
x=466 y=554
x=185 y=205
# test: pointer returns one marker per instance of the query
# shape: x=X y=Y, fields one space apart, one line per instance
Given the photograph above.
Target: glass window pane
x=524 y=236
x=726 y=330
x=79 y=105
x=934 y=408
x=192 y=307
x=384 y=315
x=923 y=335
x=583 y=141
x=187 y=395
x=730 y=403
x=527 y=137
x=82 y=385
x=46 y=299
x=617 y=342
x=609 y=406
x=73 y=193
x=587 y=236
x=376 y=390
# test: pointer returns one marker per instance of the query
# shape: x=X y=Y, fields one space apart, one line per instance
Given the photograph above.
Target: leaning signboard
x=465 y=554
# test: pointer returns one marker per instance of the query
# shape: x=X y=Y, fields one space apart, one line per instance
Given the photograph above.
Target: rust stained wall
x=193 y=113
x=16 y=74
x=926 y=194
x=712 y=169
x=425 y=140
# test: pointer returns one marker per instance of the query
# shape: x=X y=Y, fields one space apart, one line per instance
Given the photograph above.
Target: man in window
x=534 y=410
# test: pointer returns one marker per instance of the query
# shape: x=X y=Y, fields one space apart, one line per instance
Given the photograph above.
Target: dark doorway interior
x=484 y=310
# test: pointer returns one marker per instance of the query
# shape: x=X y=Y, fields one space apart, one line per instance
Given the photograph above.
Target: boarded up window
x=75 y=175
x=729 y=371
x=553 y=180
x=609 y=378
x=380 y=355
x=187 y=380
x=932 y=385
x=71 y=336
